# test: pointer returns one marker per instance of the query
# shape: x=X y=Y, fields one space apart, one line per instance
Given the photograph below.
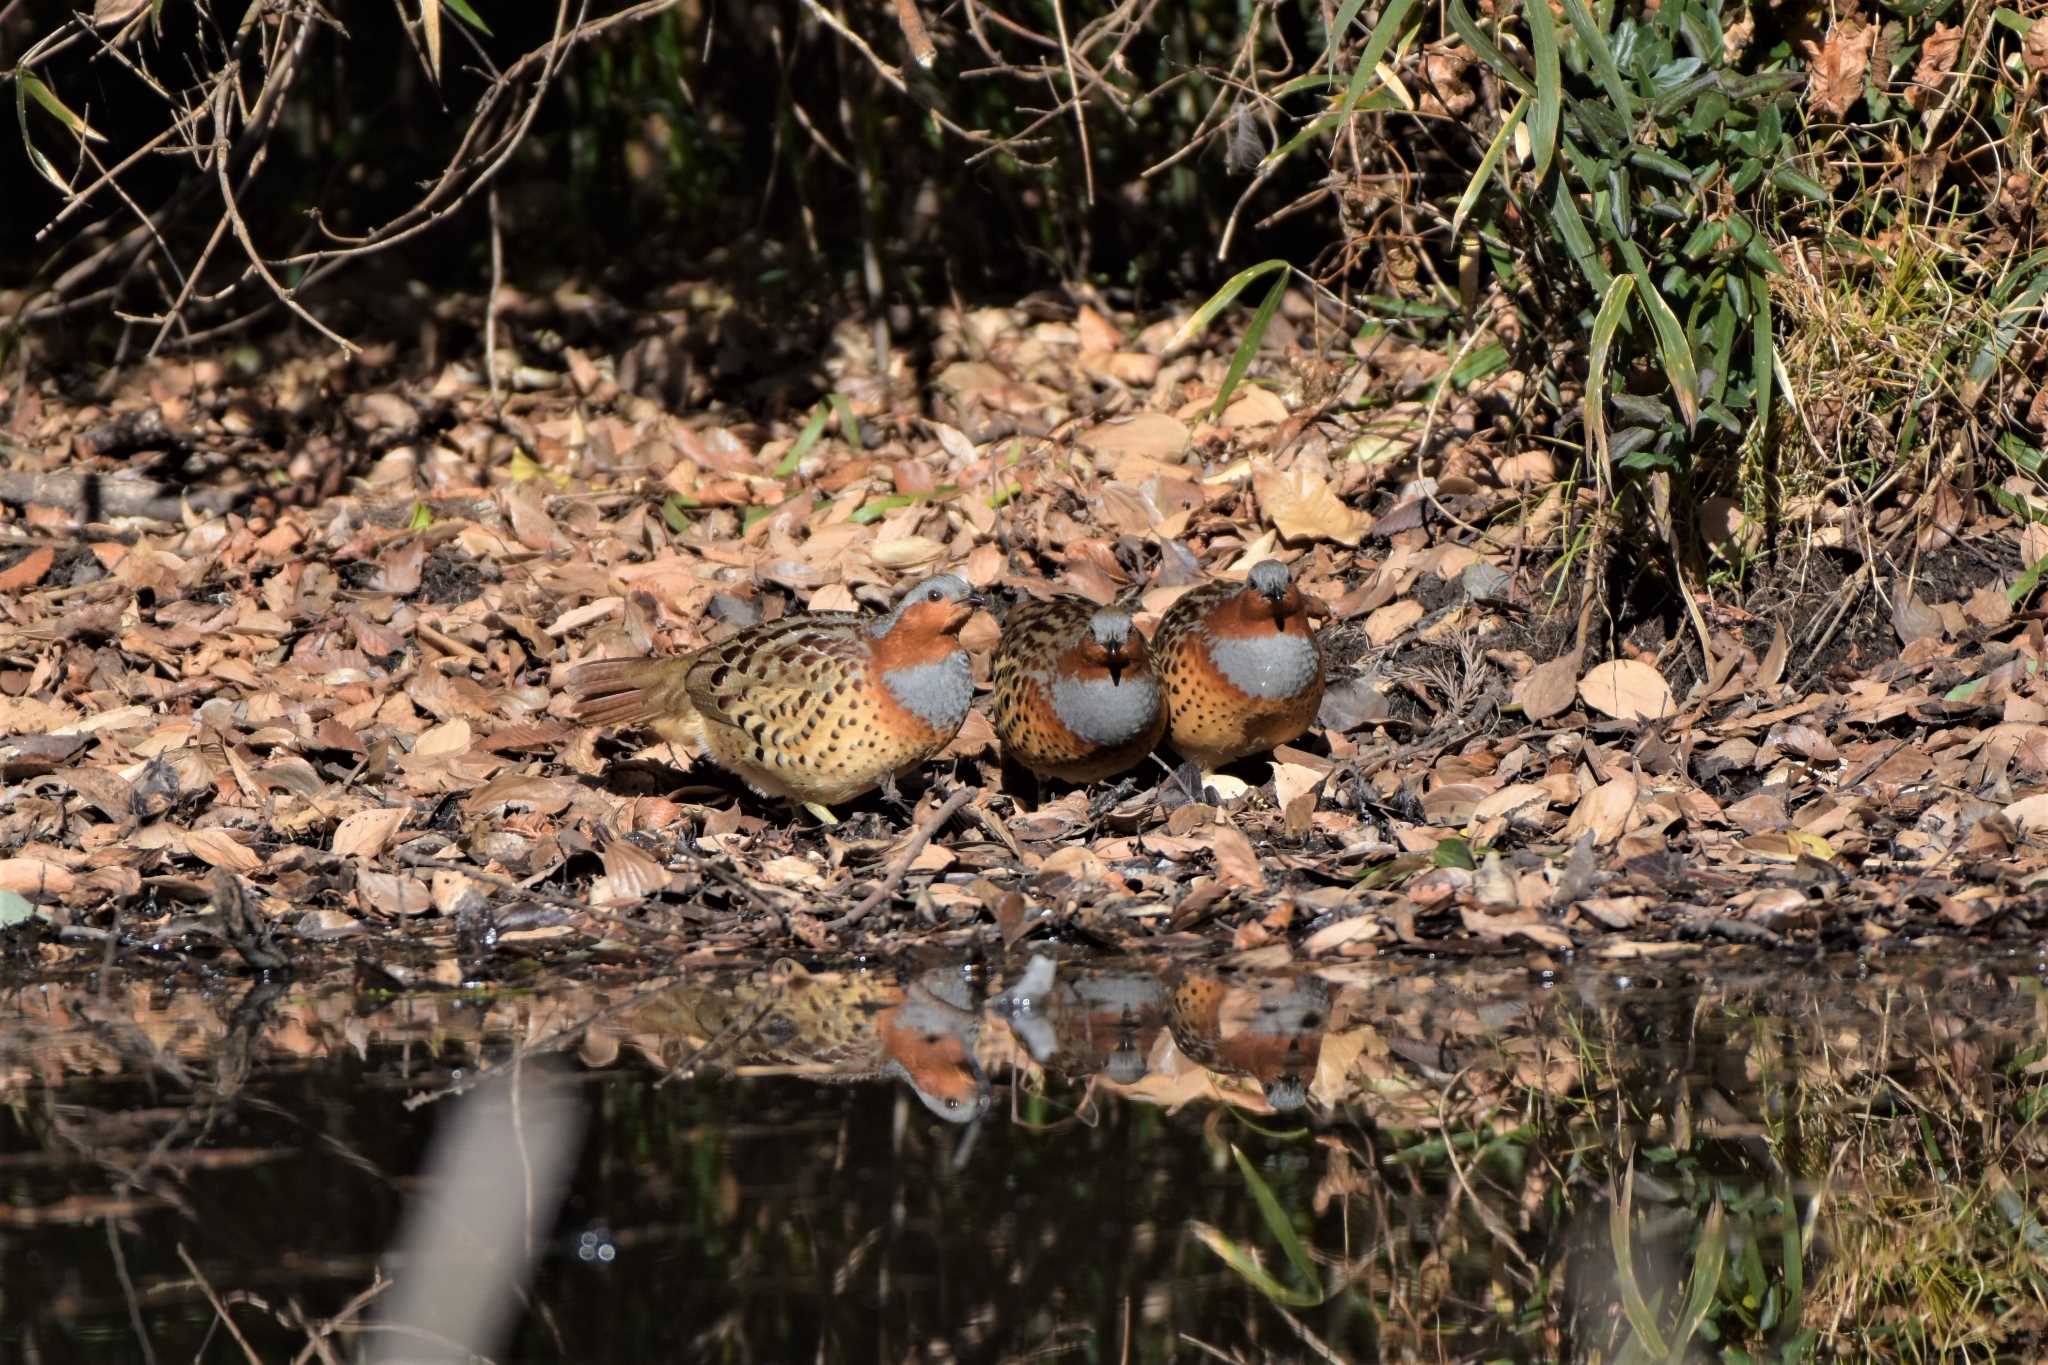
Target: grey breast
x=936 y=693
x=1268 y=666
x=1102 y=712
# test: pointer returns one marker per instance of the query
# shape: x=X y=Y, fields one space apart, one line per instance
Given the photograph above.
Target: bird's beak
x=1116 y=669
x=974 y=601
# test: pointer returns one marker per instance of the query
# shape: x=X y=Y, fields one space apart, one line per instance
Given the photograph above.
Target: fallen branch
x=899 y=867
x=91 y=497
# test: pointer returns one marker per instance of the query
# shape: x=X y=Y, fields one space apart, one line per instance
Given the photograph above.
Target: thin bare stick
x=227 y=194
x=1059 y=18
x=219 y=1307
x=899 y=867
x=491 y=306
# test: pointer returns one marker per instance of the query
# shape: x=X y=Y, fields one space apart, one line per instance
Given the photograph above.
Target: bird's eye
x=936 y=595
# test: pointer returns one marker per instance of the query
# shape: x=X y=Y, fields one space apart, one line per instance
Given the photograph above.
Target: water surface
x=1711 y=1155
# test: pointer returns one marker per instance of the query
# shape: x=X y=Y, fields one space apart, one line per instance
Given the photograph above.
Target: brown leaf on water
x=1835 y=80
x=1938 y=53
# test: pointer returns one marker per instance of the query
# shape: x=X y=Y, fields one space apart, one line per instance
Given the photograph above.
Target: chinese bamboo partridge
x=1242 y=668
x=1075 y=694
x=817 y=708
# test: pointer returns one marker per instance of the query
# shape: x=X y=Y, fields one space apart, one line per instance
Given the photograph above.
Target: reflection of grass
x=1728 y=1180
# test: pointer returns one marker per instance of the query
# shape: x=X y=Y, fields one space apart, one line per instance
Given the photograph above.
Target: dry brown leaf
x=27 y=571
x=1548 y=688
x=1603 y=812
x=1148 y=435
x=1302 y=505
x=1836 y=78
x=1627 y=689
x=2034 y=47
x=368 y=833
x=2030 y=813
x=444 y=741
x=218 y=848
x=1914 y=619
x=34 y=876
x=1389 y=621
x=1938 y=52
x=1236 y=863
x=630 y=874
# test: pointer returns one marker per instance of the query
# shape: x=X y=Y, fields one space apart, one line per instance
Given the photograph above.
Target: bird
x=816 y=708
x=1269 y=1028
x=1242 y=668
x=1076 y=697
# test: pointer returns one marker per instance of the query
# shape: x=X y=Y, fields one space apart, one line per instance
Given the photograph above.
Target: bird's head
x=1114 y=644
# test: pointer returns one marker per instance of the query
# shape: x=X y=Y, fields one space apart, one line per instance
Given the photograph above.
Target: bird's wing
x=783 y=670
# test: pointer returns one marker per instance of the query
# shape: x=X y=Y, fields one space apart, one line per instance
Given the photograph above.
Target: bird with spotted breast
x=1242 y=668
x=1076 y=697
x=816 y=708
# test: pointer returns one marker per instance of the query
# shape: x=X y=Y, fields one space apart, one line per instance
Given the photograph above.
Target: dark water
x=1705 y=1157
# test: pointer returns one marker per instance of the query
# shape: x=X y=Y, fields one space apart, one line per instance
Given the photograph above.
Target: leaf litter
x=339 y=687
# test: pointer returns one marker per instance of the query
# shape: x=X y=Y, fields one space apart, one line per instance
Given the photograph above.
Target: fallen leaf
x=1236 y=863
x=1302 y=505
x=1150 y=435
x=1626 y=689
x=26 y=572
x=1835 y=80
x=34 y=876
x=218 y=848
x=1938 y=52
x=1549 y=687
x=2034 y=47
x=367 y=833
x=1914 y=619
x=1389 y=621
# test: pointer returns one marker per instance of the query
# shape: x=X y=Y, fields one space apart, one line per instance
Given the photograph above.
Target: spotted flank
x=1242 y=667
x=818 y=708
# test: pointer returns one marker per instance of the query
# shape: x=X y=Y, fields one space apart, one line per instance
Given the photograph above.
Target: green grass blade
x=849 y=425
x=1486 y=164
x=1376 y=47
x=1763 y=349
x=1277 y=1221
x=28 y=142
x=1633 y=1306
x=1488 y=50
x=461 y=10
x=2011 y=319
x=1564 y=216
x=1221 y=300
x=1672 y=347
x=1613 y=309
x=1246 y=1263
x=1549 y=84
x=1254 y=335
x=45 y=96
x=1702 y=1284
x=805 y=439
x=1604 y=69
